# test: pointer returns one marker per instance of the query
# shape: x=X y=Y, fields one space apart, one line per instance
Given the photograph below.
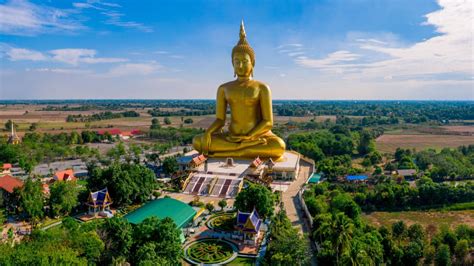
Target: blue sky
x=351 y=49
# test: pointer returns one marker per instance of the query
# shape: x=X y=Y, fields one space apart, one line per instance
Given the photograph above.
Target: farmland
x=424 y=218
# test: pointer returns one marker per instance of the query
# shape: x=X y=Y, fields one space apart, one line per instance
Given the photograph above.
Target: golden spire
x=242 y=30
x=242 y=45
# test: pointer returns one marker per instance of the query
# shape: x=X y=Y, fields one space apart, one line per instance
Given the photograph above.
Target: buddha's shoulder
x=261 y=85
x=255 y=83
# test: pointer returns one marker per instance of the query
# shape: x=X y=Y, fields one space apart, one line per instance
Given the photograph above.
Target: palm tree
x=342 y=231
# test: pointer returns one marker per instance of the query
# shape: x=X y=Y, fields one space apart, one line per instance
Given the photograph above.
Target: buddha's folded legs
x=269 y=146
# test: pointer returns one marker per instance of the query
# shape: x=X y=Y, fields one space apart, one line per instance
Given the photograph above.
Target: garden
x=222 y=222
x=210 y=251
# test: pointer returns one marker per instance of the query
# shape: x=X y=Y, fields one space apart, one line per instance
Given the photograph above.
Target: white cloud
x=75 y=56
x=132 y=69
x=439 y=57
x=17 y=54
x=61 y=70
x=19 y=17
x=331 y=60
x=68 y=56
x=115 y=18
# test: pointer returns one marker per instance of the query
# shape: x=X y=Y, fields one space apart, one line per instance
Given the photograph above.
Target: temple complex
x=245 y=149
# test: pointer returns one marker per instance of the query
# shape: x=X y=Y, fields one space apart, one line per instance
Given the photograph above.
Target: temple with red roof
x=66 y=175
x=9 y=183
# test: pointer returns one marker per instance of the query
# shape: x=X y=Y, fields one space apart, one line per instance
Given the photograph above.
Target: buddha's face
x=242 y=64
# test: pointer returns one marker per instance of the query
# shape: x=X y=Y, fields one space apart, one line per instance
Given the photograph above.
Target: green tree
x=155 y=124
x=167 y=121
x=461 y=250
x=32 y=200
x=170 y=165
x=127 y=183
x=342 y=231
x=287 y=246
x=344 y=203
x=209 y=207
x=63 y=197
x=222 y=203
x=399 y=229
x=413 y=253
x=443 y=256
x=366 y=143
x=258 y=197
x=165 y=238
x=33 y=126
x=117 y=234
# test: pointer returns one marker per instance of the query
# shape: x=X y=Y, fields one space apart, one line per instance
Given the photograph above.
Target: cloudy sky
x=149 y=49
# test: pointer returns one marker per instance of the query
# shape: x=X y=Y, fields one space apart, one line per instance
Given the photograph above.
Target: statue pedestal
x=218 y=178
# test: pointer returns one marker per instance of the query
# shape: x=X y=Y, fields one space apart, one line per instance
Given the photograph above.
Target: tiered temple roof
x=248 y=222
x=99 y=198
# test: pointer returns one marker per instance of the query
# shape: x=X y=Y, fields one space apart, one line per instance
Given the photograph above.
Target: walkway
x=291 y=201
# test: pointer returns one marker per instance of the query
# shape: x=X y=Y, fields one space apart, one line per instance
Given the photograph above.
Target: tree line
x=100 y=116
x=345 y=239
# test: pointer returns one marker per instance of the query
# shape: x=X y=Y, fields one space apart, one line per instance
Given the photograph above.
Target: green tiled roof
x=314 y=178
x=180 y=212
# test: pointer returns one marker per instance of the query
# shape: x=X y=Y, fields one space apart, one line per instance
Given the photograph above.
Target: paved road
x=291 y=201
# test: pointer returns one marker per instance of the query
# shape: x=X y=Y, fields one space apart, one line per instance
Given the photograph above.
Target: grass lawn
x=424 y=218
x=241 y=261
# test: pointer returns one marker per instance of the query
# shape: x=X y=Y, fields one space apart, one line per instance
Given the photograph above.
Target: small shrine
x=248 y=227
x=99 y=203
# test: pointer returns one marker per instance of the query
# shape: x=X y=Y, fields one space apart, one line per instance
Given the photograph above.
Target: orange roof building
x=66 y=175
x=9 y=183
x=198 y=160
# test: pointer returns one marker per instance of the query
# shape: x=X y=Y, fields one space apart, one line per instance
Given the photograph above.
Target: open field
x=424 y=218
x=55 y=121
x=389 y=143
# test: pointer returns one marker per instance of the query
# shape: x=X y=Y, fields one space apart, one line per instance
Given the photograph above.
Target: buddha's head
x=243 y=56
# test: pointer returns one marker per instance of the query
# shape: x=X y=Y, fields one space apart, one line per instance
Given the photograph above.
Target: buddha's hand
x=206 y=143
x=237 y=139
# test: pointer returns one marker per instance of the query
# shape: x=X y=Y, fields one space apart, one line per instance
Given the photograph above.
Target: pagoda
x=13 y=138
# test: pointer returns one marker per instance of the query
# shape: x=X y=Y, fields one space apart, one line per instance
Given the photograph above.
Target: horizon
x=5 y=101
x=328 y=50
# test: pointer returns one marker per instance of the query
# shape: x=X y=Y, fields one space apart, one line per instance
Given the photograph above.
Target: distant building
x=357 y=178
x=66 y=175
x=407 y=173
x=189 y=162
x=9 y=183
x=114 y=132
x=285 y=169
x=181 y=213
x=6 y=169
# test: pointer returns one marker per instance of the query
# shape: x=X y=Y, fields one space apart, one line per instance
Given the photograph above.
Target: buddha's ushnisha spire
x=243 y=45
x=242 y=33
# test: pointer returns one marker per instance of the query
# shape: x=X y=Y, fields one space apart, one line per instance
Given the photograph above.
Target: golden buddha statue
x=249 y=134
